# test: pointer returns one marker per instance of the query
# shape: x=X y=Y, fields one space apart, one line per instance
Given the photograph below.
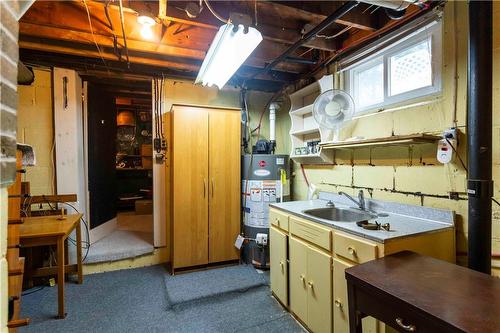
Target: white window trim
x=433 y=31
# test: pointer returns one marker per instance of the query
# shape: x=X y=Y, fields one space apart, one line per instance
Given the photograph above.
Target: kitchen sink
x=339 y=215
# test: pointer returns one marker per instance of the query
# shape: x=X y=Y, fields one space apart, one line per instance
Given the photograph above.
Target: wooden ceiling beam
x=78 y=50
x=180 y=40
x=273 y=33
x=317 y=11
x=43 y=31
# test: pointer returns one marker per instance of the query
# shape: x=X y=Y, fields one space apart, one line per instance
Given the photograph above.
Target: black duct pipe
x=301 y=61
x=341 y=11
x=479 y=135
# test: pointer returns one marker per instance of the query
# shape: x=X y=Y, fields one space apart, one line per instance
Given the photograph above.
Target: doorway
x=120 y=171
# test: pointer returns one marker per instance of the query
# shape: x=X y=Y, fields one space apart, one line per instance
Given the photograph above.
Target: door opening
x=120 y=171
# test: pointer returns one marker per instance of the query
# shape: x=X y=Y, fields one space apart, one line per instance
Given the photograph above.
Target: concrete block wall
x=416 y=169
x=35 y=127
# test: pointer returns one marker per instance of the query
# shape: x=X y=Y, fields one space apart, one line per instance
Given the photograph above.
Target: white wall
x=69 y=147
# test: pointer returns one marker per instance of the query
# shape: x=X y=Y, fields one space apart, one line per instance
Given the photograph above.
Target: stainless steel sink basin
x=339 y=215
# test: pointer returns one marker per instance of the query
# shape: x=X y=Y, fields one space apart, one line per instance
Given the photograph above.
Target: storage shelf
x=302 y=111
x=396 y=140
x=305 y=131
x=319 y=158
x=309 y=89
x=304 y=127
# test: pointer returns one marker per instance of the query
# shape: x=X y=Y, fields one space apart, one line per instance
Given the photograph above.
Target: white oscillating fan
x=332 y=109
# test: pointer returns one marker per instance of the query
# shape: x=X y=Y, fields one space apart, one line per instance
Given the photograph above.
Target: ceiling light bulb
x=147 y=24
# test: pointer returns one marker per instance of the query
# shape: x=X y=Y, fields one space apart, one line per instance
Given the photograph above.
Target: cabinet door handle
x=302 y=278
x=277 y=220
x=204 y=187
x=351 y=250
x=408 y=328
x=310 y=284
x=282 y=265
x=213 y=187
x=338 y=303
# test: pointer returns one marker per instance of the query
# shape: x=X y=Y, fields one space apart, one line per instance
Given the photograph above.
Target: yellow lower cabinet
x=278 y=243
x=340 y=307
x=311 y=285
x=319 y=285
x=298 y=286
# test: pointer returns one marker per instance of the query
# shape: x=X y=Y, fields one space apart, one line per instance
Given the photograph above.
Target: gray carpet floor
x=120 y=244
x=135 y=300
x=196 y=286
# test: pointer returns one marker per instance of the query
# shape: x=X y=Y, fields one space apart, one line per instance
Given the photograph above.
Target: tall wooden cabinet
x=206 y=185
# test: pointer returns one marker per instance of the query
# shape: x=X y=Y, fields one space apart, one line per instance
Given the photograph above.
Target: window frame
x=432 y=32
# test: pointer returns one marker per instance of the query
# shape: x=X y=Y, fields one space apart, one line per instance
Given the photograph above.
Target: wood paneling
x=190 y=186
x=225 y=183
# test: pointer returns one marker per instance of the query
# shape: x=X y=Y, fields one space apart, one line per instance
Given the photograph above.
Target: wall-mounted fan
x=333 y=108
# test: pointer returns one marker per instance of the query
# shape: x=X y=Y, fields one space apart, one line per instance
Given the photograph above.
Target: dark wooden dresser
x=415 y=293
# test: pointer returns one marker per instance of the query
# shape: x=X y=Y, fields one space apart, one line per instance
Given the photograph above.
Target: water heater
x=266 y=179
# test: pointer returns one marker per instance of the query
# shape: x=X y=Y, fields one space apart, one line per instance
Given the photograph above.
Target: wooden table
x=51 y=230
x=414 y=293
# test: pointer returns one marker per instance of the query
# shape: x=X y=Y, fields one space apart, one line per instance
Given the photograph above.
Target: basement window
x=401 y=69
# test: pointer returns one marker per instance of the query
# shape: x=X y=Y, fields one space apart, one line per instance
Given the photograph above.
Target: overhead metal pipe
x=341 y=11
x=479 y=135
x=304 y=61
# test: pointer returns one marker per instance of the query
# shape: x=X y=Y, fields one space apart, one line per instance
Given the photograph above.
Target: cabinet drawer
x=278 y=219
x=311 y=232
x=399 y=315
x=355 y=249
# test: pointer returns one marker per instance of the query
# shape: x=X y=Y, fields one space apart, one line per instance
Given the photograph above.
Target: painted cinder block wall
x=416 y=169
x=35 y=127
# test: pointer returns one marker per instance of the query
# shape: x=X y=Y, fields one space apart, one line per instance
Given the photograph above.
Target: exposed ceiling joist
x=269 y=32
x=317 y=11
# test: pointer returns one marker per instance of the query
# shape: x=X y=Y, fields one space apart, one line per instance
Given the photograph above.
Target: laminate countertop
x=405 y=220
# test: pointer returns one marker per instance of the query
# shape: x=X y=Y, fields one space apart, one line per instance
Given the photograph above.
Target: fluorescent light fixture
x=147 y=24
x=228 y=51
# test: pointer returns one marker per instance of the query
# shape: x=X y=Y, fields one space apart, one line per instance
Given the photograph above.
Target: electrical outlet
x=450 y=134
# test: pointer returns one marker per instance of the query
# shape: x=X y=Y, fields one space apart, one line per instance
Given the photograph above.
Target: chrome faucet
x=361 y=199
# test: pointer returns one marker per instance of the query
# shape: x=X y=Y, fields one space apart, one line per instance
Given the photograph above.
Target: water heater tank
x=265 y=179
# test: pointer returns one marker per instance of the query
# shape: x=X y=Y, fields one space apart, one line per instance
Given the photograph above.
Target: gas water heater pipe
x=272 y=125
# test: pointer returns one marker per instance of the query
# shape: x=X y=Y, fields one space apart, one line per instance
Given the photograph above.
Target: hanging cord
x=93 y=36
x=87 y=228
x=160 y=103
x=214 y=13
x=255 y=12
x=455 y=66
x=336 y=35
x=115 y=39
x=157 y=107
x=465 y=167
x=122 y=21
x=304 y=174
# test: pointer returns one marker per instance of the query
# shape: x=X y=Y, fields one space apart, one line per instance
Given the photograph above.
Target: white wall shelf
x=304 y=127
